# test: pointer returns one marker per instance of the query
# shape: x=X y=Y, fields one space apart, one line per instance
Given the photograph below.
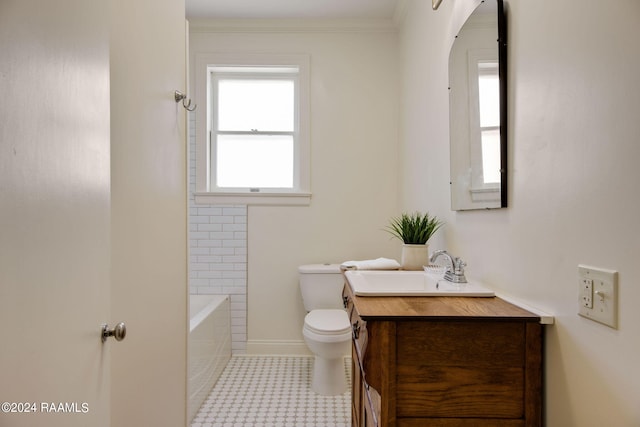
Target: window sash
x=254 y=161
x=219 y=77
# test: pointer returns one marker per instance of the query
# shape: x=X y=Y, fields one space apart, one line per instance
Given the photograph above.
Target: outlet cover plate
x=598 y=294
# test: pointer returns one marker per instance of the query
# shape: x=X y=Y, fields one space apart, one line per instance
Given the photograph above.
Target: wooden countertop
x=438 y=308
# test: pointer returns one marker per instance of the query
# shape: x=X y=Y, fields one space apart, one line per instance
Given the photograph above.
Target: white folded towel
x=371 y=264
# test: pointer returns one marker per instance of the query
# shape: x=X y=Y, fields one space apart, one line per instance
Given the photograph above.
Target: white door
x=54 y=213
x=92 y=212
x=149 y=208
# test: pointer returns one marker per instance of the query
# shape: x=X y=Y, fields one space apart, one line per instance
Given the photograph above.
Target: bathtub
x=209 y=346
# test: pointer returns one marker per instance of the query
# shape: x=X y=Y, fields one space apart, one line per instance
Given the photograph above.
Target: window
x=489 y=104
x=256 y=143
x=484 y=124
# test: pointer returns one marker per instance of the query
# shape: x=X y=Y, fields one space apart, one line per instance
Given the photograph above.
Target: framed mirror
x=478 y=110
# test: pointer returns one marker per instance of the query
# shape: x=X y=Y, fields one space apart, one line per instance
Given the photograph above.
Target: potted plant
x=414 y=230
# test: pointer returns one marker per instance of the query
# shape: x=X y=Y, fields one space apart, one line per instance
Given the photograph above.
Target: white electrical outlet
x=586 y=292
x=598 y=295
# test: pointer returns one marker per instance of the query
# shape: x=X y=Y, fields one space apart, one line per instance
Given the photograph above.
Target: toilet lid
x=328 y=321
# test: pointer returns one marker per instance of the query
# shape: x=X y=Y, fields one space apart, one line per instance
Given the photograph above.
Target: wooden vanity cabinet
x=444 y=362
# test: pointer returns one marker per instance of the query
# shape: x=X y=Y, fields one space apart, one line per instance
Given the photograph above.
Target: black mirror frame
x=502 y=74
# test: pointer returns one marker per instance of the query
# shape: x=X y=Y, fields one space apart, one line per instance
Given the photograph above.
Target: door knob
x=119 y=332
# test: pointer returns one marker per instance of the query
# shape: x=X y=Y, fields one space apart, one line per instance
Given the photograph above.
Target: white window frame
x=205 y=192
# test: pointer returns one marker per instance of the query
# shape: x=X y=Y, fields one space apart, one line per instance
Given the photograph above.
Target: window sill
x=485 y=194
x=255 y=199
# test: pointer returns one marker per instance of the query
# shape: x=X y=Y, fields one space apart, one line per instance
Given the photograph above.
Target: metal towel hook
x=186 y=103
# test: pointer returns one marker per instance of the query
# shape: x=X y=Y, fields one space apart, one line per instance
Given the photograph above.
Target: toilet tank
x=321 y=286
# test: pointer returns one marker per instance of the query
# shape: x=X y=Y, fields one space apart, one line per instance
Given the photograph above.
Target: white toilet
x=326 y=330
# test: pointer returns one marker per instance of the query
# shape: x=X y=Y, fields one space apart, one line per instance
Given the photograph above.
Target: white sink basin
x=410 y=283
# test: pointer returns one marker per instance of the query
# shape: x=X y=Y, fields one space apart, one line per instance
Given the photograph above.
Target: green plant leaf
x=414 y=229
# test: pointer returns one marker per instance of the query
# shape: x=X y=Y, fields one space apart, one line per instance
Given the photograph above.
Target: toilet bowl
x=327 y=333
x=326 y=329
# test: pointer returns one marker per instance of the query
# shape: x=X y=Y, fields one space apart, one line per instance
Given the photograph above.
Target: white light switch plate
x=598 y=294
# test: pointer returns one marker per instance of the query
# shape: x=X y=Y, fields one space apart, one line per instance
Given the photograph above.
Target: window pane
x=263 y=105
x=254 y=161
x=491 y=156
x=489 y=95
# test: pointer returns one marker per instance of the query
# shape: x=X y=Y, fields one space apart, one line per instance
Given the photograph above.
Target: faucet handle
x=459 y=265
x=457 y=276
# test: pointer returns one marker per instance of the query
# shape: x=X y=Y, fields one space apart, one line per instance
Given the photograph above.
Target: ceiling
x=291 y=9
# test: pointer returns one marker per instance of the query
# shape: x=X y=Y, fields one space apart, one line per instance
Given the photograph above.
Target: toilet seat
x=327 y=322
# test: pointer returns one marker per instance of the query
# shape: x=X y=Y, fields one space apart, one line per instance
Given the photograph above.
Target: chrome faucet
x=455 y=272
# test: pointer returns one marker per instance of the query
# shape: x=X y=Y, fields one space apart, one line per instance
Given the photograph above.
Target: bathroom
x=379 y=108
x=380 y=146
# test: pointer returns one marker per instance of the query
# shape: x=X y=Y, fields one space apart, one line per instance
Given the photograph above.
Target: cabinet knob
x=345 y=301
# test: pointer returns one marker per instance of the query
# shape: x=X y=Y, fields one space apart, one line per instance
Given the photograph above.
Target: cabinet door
x=371 y=411
x=356 y=389
x=461 y=369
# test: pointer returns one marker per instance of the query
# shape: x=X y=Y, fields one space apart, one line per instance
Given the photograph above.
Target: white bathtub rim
x=212 y=302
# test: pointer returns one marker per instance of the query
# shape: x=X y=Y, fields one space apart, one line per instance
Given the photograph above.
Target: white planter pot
x=414 y=257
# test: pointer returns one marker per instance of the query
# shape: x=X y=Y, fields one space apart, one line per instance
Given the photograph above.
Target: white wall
x=573 y=140
x=354 y=143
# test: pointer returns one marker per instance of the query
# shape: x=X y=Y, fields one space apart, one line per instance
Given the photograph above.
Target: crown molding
x=292 y=26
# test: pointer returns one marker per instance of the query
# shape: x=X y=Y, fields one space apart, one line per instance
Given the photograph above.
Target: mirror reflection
x=477 y=109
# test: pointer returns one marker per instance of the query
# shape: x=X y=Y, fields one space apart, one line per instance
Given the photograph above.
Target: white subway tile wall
x=218 y=251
